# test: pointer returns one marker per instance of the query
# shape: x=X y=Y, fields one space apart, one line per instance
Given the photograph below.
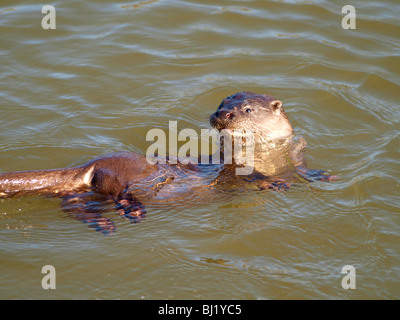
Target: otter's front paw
x=95 y=221
x=101 y=224
x=130 y=208
x=320 y=175
x=278 y=185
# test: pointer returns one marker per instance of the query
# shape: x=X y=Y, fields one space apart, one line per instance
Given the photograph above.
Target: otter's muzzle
x=221 y=119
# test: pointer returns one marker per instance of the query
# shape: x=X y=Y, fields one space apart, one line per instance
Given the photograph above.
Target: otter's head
x=259 y=112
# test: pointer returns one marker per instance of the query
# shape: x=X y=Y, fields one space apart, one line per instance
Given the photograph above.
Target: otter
x=127 y=180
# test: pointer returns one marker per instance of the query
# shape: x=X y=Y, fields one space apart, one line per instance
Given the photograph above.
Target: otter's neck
x=272 y=158
x=269 y=157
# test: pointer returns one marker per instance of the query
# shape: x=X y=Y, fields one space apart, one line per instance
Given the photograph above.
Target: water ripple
x=113 y=70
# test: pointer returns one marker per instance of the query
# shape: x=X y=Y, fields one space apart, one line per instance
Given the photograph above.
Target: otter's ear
x=276 y=107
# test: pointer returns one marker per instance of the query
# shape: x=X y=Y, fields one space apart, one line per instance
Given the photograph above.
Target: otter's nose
x=223 y=114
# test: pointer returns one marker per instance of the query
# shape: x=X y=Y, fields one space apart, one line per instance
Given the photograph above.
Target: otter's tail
x=43 y=182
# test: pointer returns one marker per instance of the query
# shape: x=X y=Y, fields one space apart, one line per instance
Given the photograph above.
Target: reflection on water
x=111 y=71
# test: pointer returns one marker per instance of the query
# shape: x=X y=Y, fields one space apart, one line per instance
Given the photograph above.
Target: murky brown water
x=112 y=71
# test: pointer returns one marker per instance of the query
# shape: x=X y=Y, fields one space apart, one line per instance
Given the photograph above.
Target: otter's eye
x=248 y=110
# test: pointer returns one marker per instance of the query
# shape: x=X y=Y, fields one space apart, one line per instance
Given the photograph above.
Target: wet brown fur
x=112 y=177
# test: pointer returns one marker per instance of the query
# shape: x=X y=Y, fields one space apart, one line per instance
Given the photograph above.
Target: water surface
x=113 y=70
